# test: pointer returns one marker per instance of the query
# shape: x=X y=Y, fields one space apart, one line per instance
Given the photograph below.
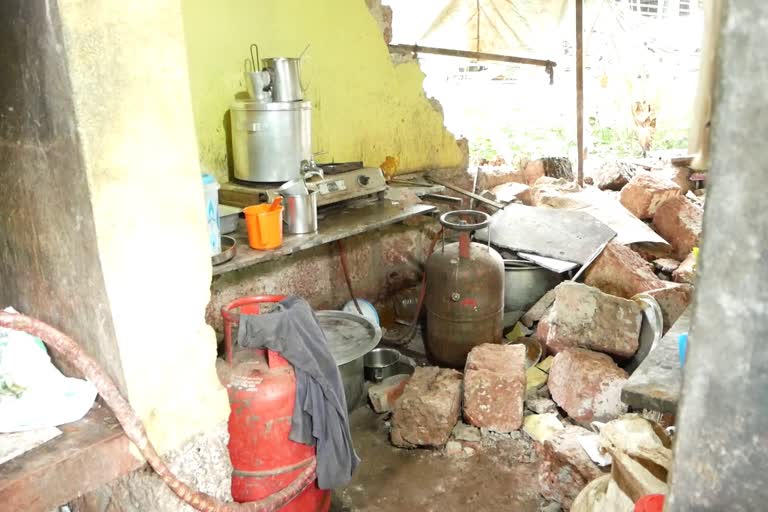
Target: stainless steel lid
x=272 y=105
x=349 y=336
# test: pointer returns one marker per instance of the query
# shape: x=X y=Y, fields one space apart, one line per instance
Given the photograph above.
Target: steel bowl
x=381 y=363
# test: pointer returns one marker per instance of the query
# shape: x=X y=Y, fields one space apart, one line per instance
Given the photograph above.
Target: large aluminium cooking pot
x=525 y=283
x=350 y=337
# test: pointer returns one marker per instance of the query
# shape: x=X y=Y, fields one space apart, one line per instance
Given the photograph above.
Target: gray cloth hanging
x=320 y=414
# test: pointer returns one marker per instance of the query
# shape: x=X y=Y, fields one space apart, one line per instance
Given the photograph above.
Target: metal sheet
x=560 y=234
x=552 y=264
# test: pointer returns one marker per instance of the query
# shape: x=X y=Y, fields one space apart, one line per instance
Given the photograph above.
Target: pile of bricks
x=588 y=332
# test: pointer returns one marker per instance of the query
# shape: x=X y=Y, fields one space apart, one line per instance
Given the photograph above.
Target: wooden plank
x=333 y=225
x=90 y=453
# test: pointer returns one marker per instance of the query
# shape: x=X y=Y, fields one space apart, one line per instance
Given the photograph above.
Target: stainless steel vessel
x=300 y=213
x=465 y=293
x=285 y=78
x=349 y=338
x=525 y=283
x=270 y=140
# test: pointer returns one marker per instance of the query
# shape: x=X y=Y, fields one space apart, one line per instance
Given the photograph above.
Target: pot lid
x=349 y=336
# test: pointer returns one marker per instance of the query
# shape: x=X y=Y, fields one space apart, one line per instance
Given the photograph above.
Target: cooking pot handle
x=484 y=220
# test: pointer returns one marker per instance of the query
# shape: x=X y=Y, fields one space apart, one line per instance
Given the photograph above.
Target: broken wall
x=364 y=106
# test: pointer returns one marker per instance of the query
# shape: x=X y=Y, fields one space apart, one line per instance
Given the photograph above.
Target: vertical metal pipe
x=579 y=94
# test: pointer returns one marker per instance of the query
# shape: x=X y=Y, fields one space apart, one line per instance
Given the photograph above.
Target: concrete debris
x=512 y=191
x=542 y=426
x=646 y=192
x=679 y=175
x=565 y=467
x=583 y=316
x=384 y=394
x=667 y=265
x=613 y=175
x=641 y=457
x=494 y=387
x=620 y=271
x=453 y=448
x=550 y=507
x=587 y=385
x=464 y=432
x=428 y=409
x=678 y=221
x=541 y=405
x=550 y=191
x=539 y=309
x=686 y=272
x=673 y=299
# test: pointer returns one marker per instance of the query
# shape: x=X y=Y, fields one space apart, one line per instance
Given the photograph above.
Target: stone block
x=686 y=272
x=537 y=311
x=384 y=394
x=541 y=405
x=613 y=175
x=583 y=316
x=645 y=192
x=678 y=221
x=620 y=271
x=587 y=385
x=565 y=467
x=495 y=386
x=672 y=299
x=428 y=409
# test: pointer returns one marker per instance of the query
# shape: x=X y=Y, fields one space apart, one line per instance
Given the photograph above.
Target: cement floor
x=500 y=476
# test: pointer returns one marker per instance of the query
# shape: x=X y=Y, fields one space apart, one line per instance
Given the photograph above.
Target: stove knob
x=363 y=180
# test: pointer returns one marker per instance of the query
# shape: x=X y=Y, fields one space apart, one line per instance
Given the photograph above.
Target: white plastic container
x=211 y=187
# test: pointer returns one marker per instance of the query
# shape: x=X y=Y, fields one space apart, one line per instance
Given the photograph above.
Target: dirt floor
x=499 y=473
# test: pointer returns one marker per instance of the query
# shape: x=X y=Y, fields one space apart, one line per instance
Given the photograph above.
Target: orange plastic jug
x=265 y=226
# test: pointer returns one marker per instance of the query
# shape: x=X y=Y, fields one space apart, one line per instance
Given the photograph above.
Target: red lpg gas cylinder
x=262 y=392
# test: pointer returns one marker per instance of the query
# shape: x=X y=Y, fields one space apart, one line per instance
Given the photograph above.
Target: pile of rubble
x=590 y=331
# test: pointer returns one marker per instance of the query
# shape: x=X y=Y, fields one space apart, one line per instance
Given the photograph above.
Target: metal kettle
x=285 y=78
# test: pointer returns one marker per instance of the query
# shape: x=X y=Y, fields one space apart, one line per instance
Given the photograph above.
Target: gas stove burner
x=338 y=168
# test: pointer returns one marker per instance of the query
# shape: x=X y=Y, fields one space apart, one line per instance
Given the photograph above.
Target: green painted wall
x=364 y=106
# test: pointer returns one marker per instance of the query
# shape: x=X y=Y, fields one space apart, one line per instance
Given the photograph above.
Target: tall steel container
x=465 y=293
x=270 y=140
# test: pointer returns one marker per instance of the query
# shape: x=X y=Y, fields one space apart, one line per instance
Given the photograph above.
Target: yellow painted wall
x=364 y=106
x=126 y=65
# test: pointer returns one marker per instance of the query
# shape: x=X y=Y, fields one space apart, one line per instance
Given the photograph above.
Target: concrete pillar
x=102 y=218
x=722 y=443
x=49 y=260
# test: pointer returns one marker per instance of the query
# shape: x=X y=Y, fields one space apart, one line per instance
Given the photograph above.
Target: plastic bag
x=33 y=393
